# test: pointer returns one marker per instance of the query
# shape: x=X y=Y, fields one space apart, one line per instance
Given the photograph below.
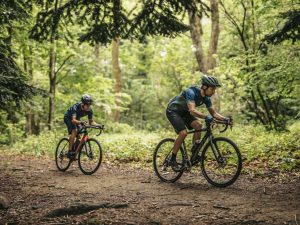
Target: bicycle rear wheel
x=161 y=158
x=90 y=156
x=61 y=160
x=221 y=162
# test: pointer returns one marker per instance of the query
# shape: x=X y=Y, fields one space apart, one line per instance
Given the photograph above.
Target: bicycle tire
x=178 y=174
x=62 y=155
x=204 y=158
x=81 y=154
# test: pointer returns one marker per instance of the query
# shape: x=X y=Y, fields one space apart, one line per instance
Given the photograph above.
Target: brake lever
x=100 y=130
x=226 y=127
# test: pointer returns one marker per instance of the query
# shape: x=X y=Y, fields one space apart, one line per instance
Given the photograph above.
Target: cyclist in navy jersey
x=72 y=118
x=182 y=112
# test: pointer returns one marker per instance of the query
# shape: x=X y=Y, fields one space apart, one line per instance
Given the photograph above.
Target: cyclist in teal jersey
x=182 y=112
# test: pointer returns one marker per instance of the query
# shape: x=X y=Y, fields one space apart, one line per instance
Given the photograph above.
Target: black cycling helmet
x=210 y=81
x=86 y=99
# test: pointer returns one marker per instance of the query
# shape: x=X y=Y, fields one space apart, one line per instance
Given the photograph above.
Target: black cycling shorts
x=71 y=126
x=178 y=121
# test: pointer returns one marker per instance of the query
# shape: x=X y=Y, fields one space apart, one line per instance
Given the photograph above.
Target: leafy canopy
x=101 y=21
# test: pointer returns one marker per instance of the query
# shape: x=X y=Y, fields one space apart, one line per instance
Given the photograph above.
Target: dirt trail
x=33 y=187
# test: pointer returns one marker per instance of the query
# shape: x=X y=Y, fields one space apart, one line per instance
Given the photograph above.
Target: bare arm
x=92 y=122
x=215 y=114
x=78 y=122
x=75 y=121
x=194 y=112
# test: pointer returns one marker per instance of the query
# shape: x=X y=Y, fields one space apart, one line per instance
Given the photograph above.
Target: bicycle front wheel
x=90 y=157
x=161 y=159
x=61 y=160
x=221 y=162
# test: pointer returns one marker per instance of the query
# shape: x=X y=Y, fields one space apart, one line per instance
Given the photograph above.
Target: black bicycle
x=220 y=158
x=87 y=151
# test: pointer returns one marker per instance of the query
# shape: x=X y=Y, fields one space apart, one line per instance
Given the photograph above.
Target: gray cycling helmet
x=86 y=99
x=210 y=81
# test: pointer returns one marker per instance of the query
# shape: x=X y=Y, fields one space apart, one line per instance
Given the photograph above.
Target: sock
x=173 y=158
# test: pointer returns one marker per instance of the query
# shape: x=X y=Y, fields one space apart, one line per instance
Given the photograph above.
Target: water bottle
x=195 y=146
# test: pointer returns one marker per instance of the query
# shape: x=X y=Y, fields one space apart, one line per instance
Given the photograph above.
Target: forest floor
x=31 y=188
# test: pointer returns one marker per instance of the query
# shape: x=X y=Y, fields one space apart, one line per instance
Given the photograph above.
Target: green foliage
x=13 y=133
x=102 y=21
x=11 y=11
x=118 y=128
x=259 y=148
x=43 y=144
x=260 y=85
x=289 y=31
x=153 y=73
x=268 y=149
x=130 y=147
x=268 y=91
x=13 y=85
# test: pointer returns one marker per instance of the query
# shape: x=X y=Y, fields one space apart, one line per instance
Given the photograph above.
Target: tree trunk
x=52 y=79
x=11 y=116
x=28 y=112
x=32 y=122
x=267 y=110
x=52 y=75
x=117 y=76
x=32 y=118
x=214 y=37
x=253 y=21
x=208 y=63
x=213 y=46
x=196 y=35
x=260 y=115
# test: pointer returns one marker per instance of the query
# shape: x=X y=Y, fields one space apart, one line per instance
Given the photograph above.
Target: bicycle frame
x=207 y=136
x=207 y=153
x=190 y=160
x=85 y=137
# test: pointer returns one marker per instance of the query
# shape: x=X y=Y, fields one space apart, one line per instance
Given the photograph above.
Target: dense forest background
x=134 y=56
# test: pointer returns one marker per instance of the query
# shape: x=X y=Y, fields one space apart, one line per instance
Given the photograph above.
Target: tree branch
x=244 y=17
x=234 y=22
x=64 y=62
x=63 y=77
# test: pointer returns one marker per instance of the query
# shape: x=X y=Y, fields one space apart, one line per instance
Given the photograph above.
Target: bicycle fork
x=221 y=160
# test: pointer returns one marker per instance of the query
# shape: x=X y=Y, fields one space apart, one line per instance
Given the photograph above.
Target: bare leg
x=72 y=138
x=182 y=135
x=197 y=126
